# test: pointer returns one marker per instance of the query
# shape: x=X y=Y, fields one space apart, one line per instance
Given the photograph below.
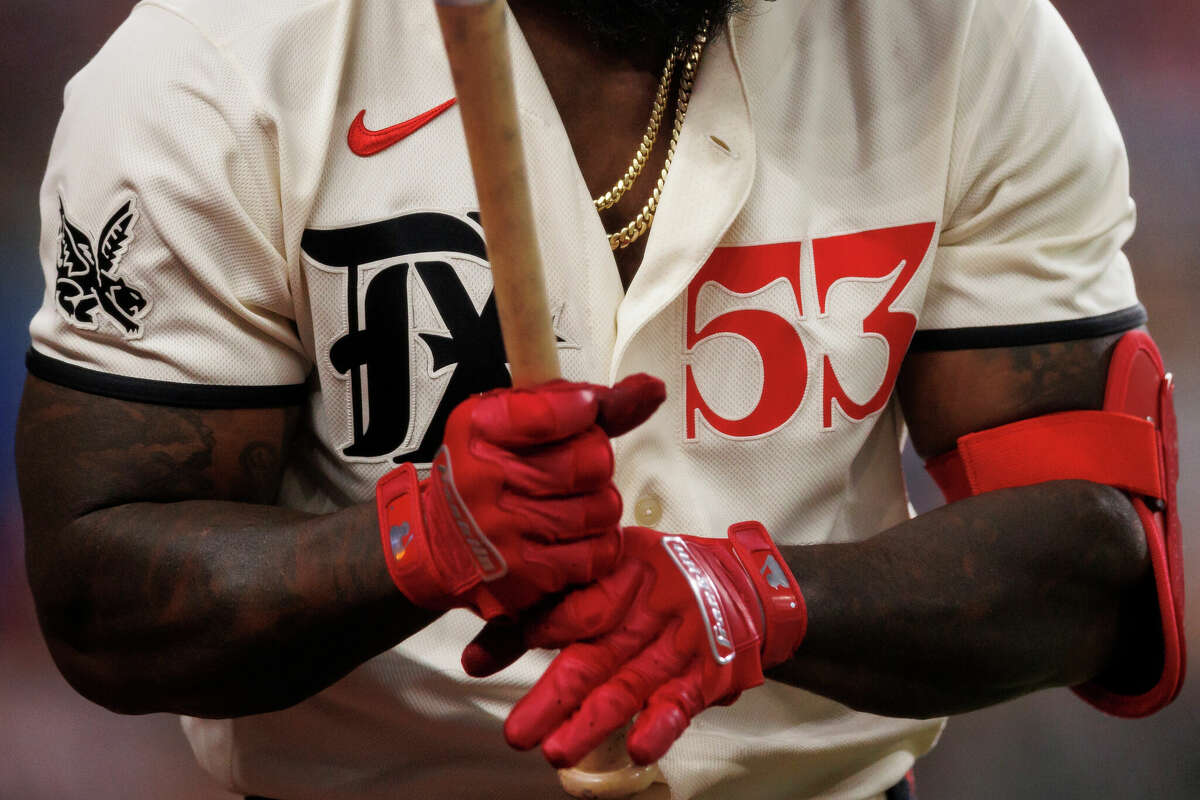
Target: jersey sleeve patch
x=88 y=289
x=163 y=393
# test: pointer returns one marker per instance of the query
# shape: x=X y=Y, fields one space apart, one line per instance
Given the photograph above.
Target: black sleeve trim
x=163 y=393
x=1030 y=334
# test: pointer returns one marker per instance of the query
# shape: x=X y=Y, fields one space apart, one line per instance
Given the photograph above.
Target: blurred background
x=54 y=744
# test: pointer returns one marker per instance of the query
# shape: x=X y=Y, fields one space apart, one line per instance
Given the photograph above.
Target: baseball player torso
x=794 y=256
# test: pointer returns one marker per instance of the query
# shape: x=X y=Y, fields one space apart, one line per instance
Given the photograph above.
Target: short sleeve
x=162 y=238
x=1038 y=204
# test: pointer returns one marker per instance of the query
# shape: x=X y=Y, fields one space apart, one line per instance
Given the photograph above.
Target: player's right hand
x=520 y=502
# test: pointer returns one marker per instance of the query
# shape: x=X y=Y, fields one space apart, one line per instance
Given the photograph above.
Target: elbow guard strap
x=1131 y=444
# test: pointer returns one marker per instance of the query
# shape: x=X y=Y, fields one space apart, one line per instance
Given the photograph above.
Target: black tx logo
x=87 y=279
x=380 y=346
x=374 y=354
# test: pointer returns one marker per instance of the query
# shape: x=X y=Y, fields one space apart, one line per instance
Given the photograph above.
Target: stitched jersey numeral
x=892 y=254
x=748 y=271
x=871 y=256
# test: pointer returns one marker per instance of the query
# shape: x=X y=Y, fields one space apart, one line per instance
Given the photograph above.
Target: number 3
x=871 y=256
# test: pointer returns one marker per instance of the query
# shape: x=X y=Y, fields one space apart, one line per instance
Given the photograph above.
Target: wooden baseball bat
x=477 y=45
x=474 y=33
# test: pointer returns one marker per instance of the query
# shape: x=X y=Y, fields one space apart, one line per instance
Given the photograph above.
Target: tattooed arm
x=994 y=596
x=163 y=583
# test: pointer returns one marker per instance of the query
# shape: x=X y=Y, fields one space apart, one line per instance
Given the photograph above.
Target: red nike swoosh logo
x=364 y=142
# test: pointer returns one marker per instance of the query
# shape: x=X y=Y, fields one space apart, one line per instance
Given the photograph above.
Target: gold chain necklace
x=638 y=226
x=610 y=198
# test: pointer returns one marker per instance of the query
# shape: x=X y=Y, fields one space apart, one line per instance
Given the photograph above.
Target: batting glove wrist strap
x=430 y=577
x=786 y=616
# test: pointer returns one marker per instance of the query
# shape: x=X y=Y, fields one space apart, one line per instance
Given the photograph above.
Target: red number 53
x=868 y=256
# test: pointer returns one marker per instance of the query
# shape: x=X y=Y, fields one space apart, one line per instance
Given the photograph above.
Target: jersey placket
x=709 y=182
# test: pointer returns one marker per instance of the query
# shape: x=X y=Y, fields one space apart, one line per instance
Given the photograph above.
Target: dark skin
x=165 y=583
x=163 y=580
x=604 y=100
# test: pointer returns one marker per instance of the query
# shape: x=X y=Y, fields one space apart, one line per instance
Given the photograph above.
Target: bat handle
x=477 y=49
x=608 y=772
x=474 y=32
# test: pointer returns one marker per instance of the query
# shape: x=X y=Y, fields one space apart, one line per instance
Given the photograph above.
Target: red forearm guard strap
x=1132 y=444
x=1101 y=446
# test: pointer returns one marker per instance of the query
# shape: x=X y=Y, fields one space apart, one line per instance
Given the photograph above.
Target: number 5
x=746 y=270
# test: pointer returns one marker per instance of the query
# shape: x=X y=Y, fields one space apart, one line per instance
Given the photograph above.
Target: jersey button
x=647 y=511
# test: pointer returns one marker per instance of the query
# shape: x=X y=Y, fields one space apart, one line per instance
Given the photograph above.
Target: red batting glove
x=683 y=623
x=520 y=502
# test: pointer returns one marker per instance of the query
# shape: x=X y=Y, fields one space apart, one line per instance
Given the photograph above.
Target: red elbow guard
x=1132 y=444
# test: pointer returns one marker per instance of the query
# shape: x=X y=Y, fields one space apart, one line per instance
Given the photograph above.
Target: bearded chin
x=629 y=25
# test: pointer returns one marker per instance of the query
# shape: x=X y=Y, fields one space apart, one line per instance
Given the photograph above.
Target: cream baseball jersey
x=265 y=203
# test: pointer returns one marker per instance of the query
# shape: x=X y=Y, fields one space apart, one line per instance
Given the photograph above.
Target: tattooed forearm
x=163 y=584
x=974 y=603
x=222 y=609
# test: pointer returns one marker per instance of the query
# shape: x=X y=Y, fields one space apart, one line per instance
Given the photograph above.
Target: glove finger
x=613 y=704
x=572 y=563
x=573 y=674
x=589 y=612
x=582 y=463
x=630 y=403
x=494 y=648
x=666 y=716
x=555 y=519
x=581 y=561
x=518 y=418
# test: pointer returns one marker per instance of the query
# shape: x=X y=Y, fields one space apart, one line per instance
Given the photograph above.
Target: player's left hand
x=681 y=624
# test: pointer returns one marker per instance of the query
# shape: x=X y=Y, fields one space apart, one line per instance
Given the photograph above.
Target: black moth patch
x=88 y=286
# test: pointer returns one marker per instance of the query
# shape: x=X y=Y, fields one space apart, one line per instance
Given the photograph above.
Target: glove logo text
x=706 y=597
x=491 y=563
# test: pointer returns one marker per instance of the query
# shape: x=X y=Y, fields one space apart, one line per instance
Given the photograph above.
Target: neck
x=539 y=17
x=603 y=98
